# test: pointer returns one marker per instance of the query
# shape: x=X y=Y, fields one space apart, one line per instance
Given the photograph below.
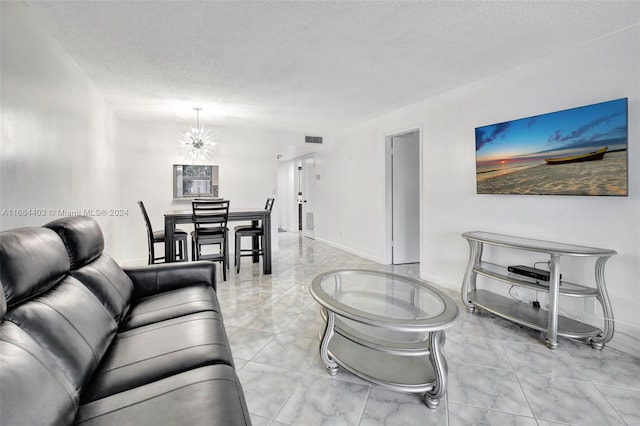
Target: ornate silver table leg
x=469 y=282
x=436 y=343
x=609 y=325
x=332 y=367
x=554 y=288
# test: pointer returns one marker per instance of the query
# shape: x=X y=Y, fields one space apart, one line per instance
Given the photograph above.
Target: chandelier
x=197 y=143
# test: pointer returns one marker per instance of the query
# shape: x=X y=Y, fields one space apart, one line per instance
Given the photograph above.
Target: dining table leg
x=266 y=261
x=169 y=247
x=255 y=243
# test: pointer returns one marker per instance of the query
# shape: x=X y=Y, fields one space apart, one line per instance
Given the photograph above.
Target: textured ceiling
x=308 y=66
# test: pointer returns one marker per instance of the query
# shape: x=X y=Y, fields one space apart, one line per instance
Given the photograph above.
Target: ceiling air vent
x=313 y=139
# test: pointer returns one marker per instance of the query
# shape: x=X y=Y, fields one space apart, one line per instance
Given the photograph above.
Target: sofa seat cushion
x=171 y=304
x=153 y=352
x=210 y=395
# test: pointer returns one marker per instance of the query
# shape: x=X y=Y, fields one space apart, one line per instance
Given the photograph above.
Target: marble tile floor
x=499 y=373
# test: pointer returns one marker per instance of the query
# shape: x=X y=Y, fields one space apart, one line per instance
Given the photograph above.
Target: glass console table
x=548 y=321
x=385 y=328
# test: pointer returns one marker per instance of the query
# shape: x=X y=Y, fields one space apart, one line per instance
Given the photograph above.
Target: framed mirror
x=194 y=181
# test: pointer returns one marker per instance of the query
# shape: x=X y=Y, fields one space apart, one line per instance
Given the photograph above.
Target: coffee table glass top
x=385 y=299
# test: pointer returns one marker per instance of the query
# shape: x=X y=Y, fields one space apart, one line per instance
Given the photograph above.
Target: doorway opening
x=403 y=165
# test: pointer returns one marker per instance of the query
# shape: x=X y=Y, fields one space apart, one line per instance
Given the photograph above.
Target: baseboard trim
x=349 y=250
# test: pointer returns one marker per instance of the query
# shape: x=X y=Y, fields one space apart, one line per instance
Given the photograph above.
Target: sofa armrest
x=158 y=278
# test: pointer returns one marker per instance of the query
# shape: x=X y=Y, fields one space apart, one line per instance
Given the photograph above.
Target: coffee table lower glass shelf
x=386 y=365
x=385 y=328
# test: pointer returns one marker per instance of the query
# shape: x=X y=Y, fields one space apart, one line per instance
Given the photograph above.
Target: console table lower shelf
x=527 y=315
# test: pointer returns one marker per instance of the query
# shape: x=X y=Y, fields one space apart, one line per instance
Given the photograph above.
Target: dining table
x=255 y=215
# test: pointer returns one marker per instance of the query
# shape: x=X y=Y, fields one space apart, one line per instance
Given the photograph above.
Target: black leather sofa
x=83 y=341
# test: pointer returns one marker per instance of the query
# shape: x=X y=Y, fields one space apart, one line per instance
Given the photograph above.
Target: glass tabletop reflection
x=385 y=299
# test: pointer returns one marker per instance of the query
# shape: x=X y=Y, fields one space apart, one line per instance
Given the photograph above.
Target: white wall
x=57 y=132
x=353 y=178
x=350 y=195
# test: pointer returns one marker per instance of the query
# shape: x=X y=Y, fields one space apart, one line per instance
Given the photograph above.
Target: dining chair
x=155 y=237
x=210 y=228
x=253 y=232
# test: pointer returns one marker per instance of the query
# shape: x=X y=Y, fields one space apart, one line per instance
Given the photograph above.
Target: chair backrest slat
x=209 y=215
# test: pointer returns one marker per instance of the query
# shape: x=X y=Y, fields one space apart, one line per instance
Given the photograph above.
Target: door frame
x=308 y=194
x=387 y=252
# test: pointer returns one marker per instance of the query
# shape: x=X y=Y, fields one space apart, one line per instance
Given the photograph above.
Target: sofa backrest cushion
x=33 y=389
x=73 y=326
x=82 y=237
x=109 y=283
x=84 y=241
x=32 y=260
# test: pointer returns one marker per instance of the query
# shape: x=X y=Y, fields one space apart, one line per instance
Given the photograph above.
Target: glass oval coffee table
x=385 y=328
